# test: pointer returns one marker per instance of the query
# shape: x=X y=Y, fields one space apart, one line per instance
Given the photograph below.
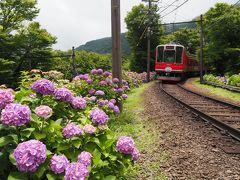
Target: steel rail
x=235 y=106
x=235 y=133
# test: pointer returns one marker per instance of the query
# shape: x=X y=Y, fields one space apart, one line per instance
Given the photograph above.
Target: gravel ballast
x=194 y=148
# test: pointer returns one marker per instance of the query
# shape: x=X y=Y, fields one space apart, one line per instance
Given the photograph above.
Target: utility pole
x=149 y=36
x=149 y=40
x=116 y=43
x=74 y=61
x=201 y=49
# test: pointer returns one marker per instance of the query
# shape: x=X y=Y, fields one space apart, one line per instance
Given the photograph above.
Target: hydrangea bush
x=233 y=80
x=57 y=129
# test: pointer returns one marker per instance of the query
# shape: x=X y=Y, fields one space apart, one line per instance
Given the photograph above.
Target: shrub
x=63 y=132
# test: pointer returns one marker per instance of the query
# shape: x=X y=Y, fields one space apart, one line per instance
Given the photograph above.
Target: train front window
x=160 y=54
x=179 y=51
x=169 y=56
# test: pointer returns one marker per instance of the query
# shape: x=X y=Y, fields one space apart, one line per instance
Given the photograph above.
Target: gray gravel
x=194 y=147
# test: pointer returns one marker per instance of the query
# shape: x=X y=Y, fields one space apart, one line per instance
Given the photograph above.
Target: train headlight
x=168 y=69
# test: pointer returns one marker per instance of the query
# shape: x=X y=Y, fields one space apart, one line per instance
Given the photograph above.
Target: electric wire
x=175 y=8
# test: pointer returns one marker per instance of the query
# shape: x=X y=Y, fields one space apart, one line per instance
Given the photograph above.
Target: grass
x=131 y=123
x=218 y=91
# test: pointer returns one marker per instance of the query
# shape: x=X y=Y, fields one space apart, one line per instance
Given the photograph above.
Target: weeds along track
x=222 y=115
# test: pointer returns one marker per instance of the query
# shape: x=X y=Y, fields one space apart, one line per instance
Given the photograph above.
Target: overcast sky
x=74 y=22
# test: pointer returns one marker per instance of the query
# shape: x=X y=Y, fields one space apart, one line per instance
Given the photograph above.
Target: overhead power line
x=175 y=8
x=168 y=6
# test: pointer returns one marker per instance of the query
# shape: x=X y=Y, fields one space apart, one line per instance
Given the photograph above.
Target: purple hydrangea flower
x=106 y=74
x=125 y=145
x=99 y=71
x=98 y=116
x=71 y=130
x=116 y=110
x=88 y=128
x=91 y=91
x=58 y=164
x=43 y=86
x=111 y=105
x=102 y=102
x=15 y=114
x=76 y=171
x=29 y=155
x=113 y=101
x=99 y=93
x=63 y=94
x=89 y=81
x=135 y=154
x=85 y=158
x=81 y=77
x=124 y=96
x=43 y=111
x=6 y=97
x=115 y=80
x=118 y=90
x=94 y=71
x=79 y=103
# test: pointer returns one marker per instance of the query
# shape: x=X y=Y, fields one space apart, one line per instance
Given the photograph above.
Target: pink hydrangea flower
x=6 y=97
x=43 y=111
x=88 y=128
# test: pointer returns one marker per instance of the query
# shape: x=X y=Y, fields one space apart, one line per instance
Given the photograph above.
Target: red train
x=173 y=63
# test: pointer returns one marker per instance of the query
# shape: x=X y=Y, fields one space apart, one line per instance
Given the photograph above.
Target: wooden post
x=116 y=43
x=201 y=50
x=74 y=61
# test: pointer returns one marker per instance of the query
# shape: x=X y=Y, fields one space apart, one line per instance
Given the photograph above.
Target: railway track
x=224 y=116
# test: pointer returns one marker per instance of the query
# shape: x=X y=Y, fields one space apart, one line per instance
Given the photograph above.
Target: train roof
x=174 y=45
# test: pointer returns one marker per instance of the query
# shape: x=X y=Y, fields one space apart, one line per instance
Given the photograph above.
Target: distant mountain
x=104 y=45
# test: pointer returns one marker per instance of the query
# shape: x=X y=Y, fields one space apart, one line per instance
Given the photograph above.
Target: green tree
x=137 y=21
x=14 y=12
x=34 y=47
x=189 y=38
x=22 y=40
x=222 y=27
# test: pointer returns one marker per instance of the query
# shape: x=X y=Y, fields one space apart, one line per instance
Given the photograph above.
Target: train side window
x=160 y=54
x=179 y=51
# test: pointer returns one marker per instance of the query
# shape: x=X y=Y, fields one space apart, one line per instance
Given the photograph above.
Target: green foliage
x=6 y=70
x=222 y=27
x=136 y=21
x=189 y=38
x=104 y=45
x=234 y=80
x=212 y=78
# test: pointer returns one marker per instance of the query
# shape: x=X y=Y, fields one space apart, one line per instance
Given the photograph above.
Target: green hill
x=104 y=45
